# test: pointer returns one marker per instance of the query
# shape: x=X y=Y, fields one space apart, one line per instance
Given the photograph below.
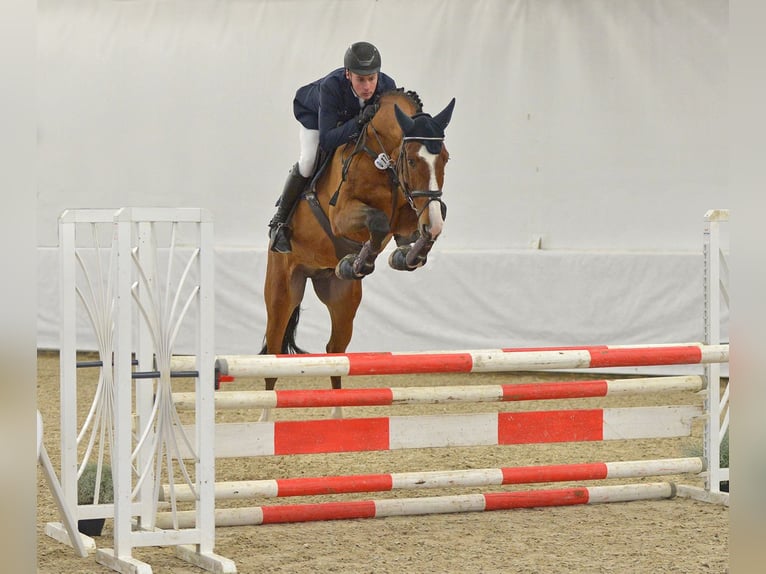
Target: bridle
x=402 y=169
x=399 y=177
x=398 y=171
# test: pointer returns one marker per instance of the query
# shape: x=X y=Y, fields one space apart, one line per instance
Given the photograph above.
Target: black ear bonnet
x=427 y=131
x=424 y=128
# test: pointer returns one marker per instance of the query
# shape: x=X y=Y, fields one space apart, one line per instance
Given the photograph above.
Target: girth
x=343 y=245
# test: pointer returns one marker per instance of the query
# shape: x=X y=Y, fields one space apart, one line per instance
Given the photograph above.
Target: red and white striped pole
x=490 y=360
x=328 y=485
x=428 y=505
x=299 y=398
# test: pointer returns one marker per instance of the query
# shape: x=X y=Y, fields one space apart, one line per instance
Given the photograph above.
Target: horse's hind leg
x=342 y=300
x=283 y=292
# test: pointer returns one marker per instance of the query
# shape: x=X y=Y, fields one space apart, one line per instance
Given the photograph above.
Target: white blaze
x=434 y=208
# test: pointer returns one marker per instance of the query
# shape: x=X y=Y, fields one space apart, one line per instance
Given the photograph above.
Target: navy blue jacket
x=330 y=106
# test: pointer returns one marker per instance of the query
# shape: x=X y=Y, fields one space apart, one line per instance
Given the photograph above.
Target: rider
x=332 y=111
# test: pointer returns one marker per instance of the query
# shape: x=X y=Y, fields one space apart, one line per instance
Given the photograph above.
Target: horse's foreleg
x=336 y=412
x=363 y=263
x=411 y=257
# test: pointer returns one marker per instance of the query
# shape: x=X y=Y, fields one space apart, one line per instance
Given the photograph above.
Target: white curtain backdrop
x=588 y=140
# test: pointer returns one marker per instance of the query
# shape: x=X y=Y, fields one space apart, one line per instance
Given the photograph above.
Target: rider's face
x=364 y=86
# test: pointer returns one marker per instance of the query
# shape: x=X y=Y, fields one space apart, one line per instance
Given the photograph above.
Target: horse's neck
x=390 y=133
x=389 y=141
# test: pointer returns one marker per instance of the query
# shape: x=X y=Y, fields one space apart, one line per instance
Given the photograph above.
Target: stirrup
x=279 y=238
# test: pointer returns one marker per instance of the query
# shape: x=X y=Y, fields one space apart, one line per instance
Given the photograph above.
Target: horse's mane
x=410 y=94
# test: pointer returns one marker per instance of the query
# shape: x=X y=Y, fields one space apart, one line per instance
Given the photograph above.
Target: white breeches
x=309 y=140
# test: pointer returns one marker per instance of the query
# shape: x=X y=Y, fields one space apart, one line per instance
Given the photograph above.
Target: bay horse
x=387 y=184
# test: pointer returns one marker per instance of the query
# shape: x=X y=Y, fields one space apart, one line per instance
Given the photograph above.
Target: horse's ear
x=443 y=117
x=405 y=121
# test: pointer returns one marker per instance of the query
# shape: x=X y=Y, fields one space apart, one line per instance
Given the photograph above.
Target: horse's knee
x=402 y=240
x=377 y=223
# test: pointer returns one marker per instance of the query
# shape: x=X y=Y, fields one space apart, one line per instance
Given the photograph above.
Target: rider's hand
x=366 y=114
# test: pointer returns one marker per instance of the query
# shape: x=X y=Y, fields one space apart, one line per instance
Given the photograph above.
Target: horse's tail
x=288 y=341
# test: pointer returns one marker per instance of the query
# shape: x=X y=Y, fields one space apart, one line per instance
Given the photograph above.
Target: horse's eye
x=411 y=162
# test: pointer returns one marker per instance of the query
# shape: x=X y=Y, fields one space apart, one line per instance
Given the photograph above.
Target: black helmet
x=362 y=58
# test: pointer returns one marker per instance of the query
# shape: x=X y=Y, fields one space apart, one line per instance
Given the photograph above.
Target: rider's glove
x=366 y=114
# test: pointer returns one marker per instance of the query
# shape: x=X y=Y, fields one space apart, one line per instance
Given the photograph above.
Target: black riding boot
x=279 y=232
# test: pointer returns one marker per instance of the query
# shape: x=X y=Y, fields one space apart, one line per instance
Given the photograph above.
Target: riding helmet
x=362 y=58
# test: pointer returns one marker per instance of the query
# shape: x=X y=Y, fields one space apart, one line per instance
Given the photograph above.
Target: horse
x=387 y=184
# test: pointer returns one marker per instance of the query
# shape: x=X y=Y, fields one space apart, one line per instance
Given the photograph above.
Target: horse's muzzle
x=436 y=212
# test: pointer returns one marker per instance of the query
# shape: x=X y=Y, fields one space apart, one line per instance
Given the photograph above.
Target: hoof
x=345 y=269
x=368 y=268
x=398 y=259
